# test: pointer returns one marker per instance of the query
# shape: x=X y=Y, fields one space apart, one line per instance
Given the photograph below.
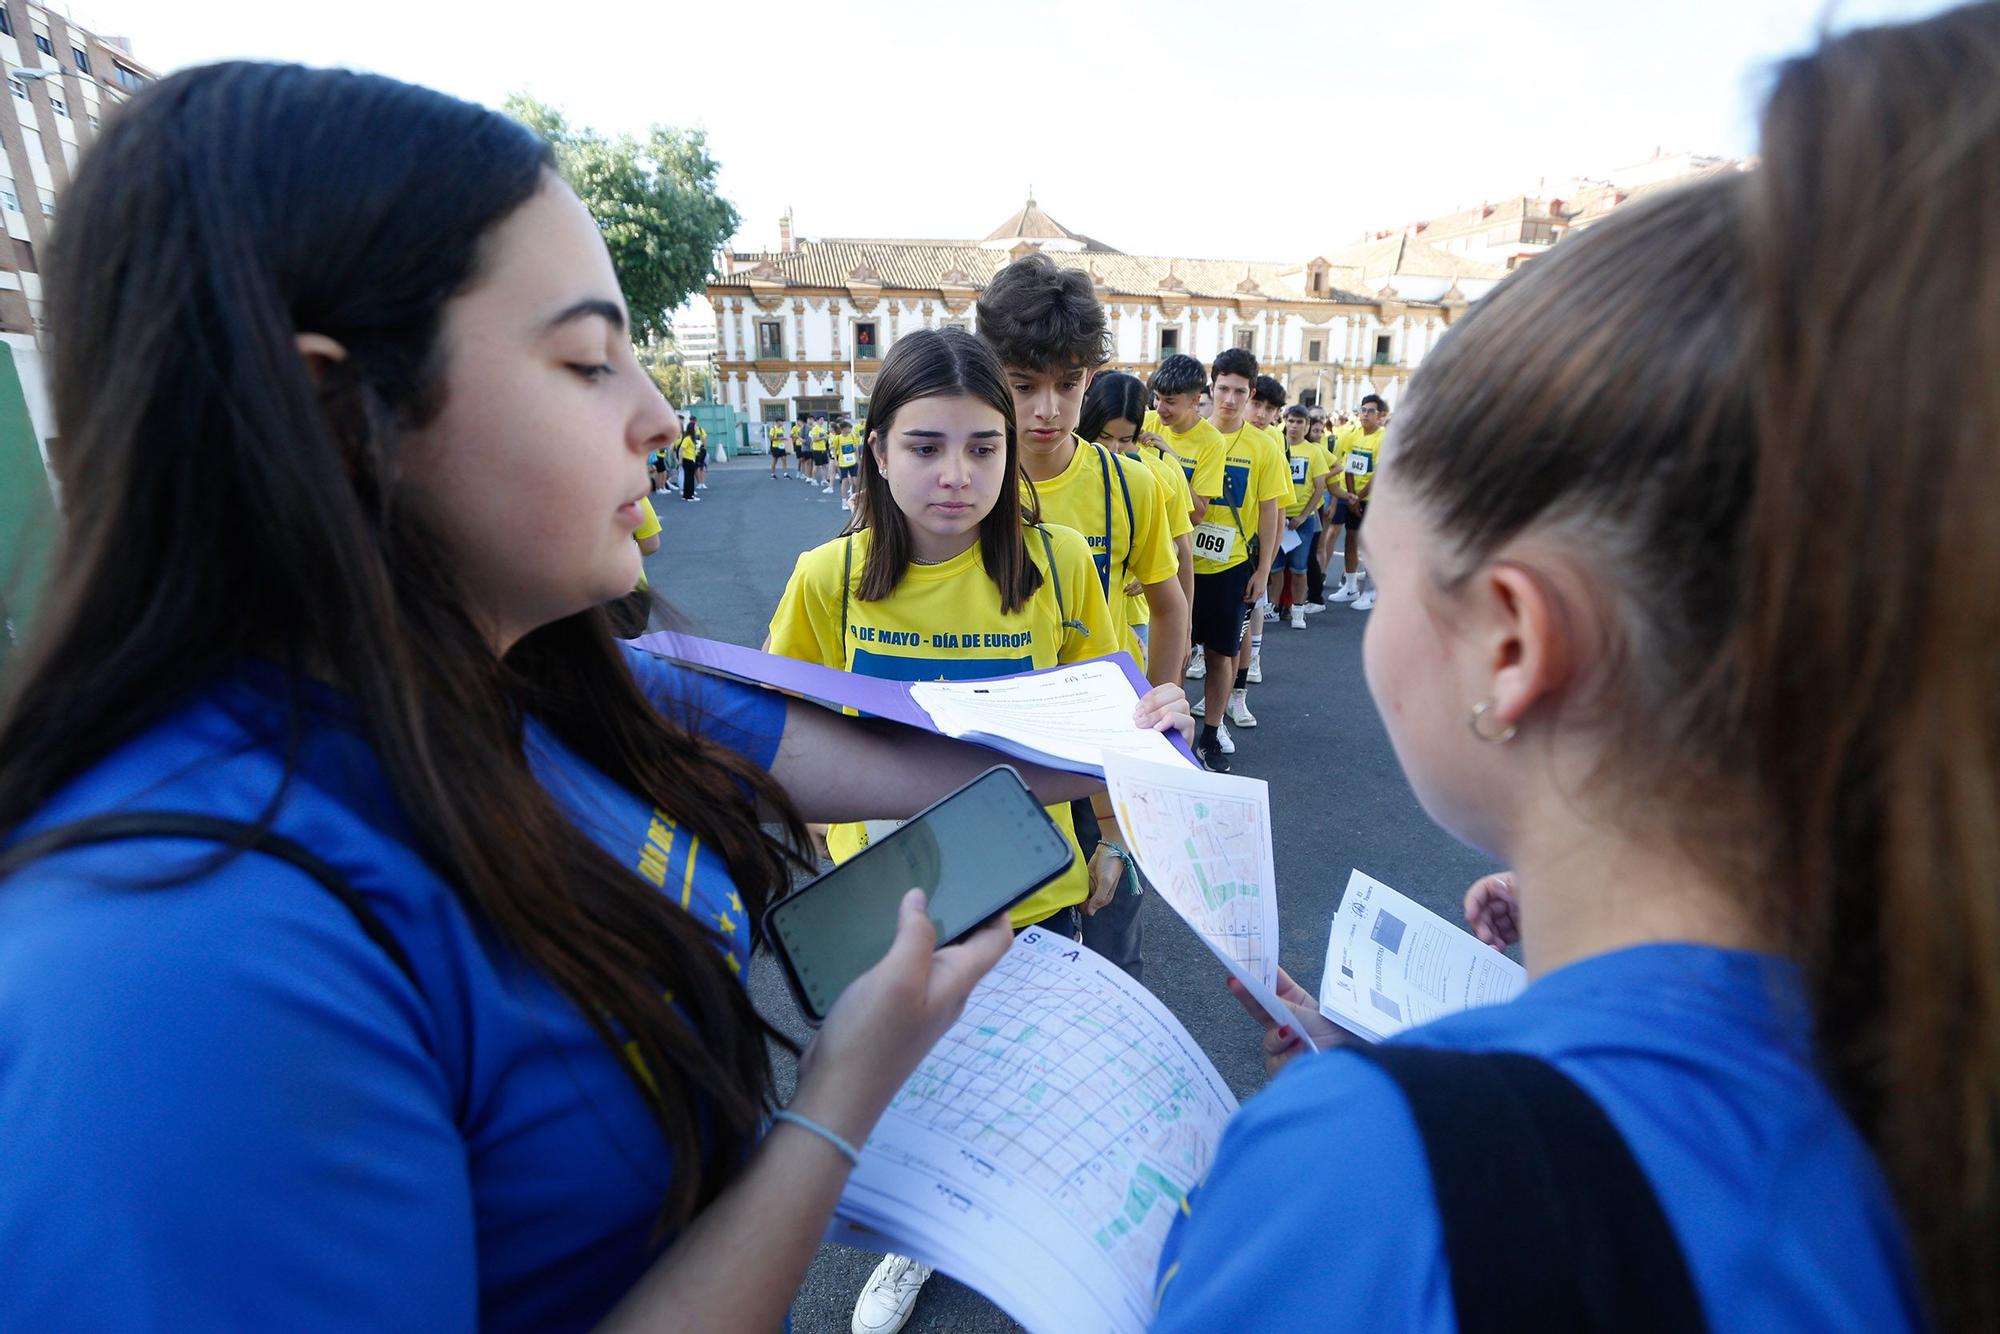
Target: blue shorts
x=1297 y=559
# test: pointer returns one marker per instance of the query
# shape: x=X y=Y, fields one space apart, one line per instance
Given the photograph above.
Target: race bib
x=1215 y=541
x=1360 y=464
x=1298 y=472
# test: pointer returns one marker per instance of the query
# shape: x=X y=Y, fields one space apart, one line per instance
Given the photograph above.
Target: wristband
x=848 y=1151
x=1131 y=866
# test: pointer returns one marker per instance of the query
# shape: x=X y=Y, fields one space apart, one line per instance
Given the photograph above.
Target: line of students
x=991 y=539
x=900 y=594
x=825 y=450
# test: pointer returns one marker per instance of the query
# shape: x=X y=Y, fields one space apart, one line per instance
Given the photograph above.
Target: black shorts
x=1219 y=609
x=1347 y=514
x=701 y=457
x=819 y=456
x=850 y=470
x=777 y=451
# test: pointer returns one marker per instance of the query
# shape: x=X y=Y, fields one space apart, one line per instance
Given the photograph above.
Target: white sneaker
x=1200 y=705
x=701 y=486
x=1315 y=608
x=1255 y=674
x=1197 y=666
x=1364 y=602
x=1298 y=616
x=1349 y=590
x=1238 y=711
x=889 y=1296
x=1222 y=740
x=826 y=488
x=847 y=504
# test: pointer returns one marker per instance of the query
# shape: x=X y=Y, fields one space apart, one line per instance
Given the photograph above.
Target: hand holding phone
x=890 y=1017
x=976 y=853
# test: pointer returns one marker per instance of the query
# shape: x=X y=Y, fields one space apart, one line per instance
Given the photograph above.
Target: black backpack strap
x=1549 y=1224
x=1055 y=581
x=1131 y=523
x=846 y=578
x=1104 y=563
x=211 y=829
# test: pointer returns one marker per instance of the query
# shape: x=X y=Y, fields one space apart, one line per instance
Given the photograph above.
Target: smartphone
x=977 y=852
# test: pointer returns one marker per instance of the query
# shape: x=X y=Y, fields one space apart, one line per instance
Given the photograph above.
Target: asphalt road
x=1338 y=801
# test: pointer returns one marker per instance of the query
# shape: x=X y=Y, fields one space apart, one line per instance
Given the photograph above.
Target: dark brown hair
x=219 y=504
x=935 y=363
x=1711 y=396
x=1042 y=317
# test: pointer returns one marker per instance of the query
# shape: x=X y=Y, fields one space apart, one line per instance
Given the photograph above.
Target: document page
x=1392 y=963
x=1043 y=1148
x=1081 y=713
x=1204 y=842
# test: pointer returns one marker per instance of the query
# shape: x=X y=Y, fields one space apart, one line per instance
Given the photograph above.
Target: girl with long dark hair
x=373 y=925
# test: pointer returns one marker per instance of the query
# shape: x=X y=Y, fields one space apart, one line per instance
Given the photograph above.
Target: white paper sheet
x=1392 y=963
x=1204 y=841
x=1041 y=1151
x=1084 y=714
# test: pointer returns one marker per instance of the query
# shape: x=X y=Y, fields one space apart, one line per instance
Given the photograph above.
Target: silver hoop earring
x=1479 y=711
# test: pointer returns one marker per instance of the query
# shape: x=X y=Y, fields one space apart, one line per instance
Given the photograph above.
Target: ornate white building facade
x=803 y=329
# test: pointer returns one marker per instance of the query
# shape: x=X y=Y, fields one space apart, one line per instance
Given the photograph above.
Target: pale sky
x=1211 y=129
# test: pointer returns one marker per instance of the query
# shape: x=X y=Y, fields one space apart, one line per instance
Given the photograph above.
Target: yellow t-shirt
x=1307 y=463
x=649 y=526
x=847 y=447
x=649 y=521
x=1200 y=452
x=777 y=434
x=1166 y=469
x=1174 y=483
x=689 y=449
x=1253 y=471
x=943 y=622
x=1136 y=547
x=1356 y=457
x=817 y=438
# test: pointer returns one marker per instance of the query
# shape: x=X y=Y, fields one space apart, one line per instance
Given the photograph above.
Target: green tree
x=678 y=383
x=654 y=200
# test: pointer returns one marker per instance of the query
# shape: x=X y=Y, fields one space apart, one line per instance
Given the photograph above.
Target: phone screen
x=980 y=850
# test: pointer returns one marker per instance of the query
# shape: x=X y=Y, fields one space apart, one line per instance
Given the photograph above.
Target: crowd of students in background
x=823 y=449
x=1259 y=495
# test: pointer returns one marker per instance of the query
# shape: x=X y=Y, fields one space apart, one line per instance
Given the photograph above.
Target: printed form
x=1082 y=713
x=1392 y=963
x=1204 y=841
x=1042 y=1150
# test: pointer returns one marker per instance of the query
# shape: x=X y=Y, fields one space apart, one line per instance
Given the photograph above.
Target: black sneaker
x=1213 y=759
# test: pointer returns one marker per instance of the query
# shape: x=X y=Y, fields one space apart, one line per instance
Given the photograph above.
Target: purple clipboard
x=867 y=695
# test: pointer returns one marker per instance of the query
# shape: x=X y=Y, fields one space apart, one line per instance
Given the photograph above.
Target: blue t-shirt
x=1319 y=1213
x=223 y=1107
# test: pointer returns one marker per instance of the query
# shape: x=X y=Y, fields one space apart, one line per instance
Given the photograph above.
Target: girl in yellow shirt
x=1114 y=407
x=945 y=572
